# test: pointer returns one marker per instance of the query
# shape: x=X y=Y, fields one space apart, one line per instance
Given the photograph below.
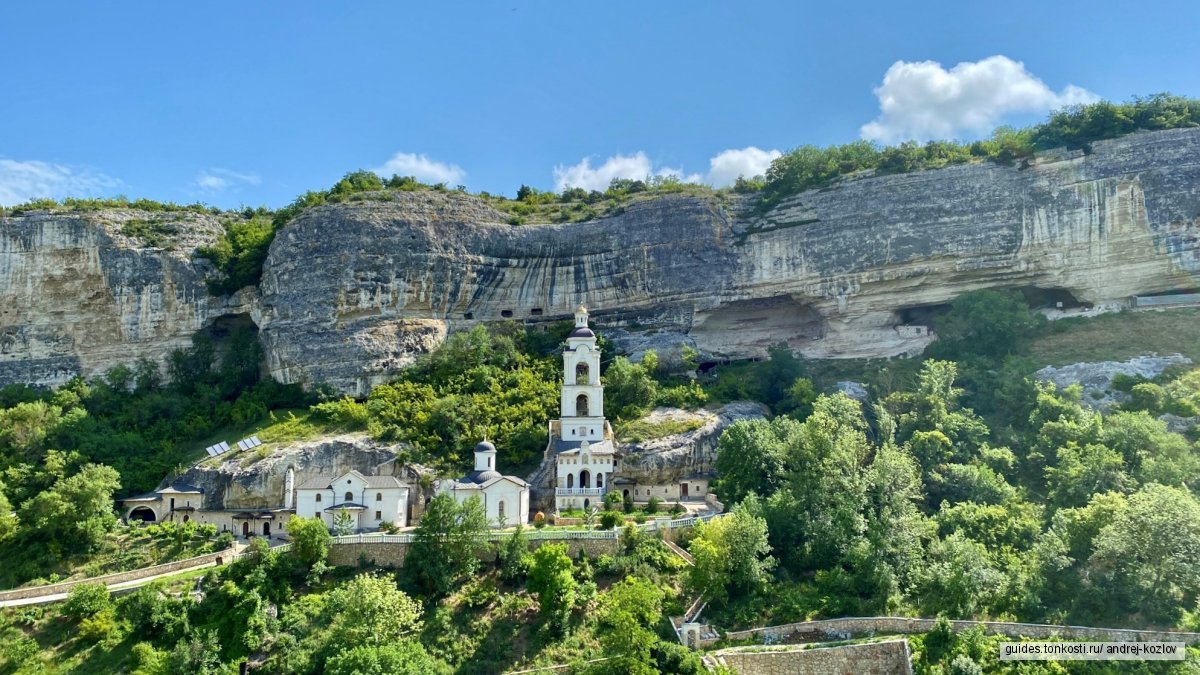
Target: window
x=379 y=515
x=349 y=496
x=506 y=313
x=318 y=497
x=581 y=406
x=501 y=508
x=317 y=514
x=581 y=373
x=378 y=496
x=489 y=462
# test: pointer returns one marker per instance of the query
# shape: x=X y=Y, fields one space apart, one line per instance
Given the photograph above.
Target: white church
x=581 y=439
x=505 y=498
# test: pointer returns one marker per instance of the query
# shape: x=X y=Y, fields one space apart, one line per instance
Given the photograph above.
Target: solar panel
x=211 y=451
x=224 y=446
x=255 y=441
x=243 y=445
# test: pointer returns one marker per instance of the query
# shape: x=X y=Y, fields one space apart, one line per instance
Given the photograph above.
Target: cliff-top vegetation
x=241 y=251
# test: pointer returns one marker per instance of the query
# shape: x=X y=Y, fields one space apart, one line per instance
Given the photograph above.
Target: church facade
x=581 y=439
x=505 y=498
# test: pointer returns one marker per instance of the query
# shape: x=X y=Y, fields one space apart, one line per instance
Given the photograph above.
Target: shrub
x=610 y=519
x=652 y=505
x=86 y=600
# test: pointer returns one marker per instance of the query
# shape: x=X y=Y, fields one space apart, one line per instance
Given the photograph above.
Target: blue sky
x=236 y=103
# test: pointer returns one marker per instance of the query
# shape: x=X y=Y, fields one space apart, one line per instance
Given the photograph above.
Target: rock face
x=353 y=292
x=239 y=483
x=668 y=459
x=78 y=297
x=1096 y=378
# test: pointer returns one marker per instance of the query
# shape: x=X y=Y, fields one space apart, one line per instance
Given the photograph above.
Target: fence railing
x=530 y=533
x=578 y=492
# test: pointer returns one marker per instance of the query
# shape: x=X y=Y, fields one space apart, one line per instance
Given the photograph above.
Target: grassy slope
x=1117 y=337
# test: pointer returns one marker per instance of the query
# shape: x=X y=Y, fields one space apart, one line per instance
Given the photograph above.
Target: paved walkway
x=122 y=586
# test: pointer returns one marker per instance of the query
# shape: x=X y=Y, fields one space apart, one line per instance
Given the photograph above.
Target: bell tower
x=581 y=408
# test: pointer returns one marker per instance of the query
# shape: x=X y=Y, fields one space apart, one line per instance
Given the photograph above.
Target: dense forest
x=962 y=488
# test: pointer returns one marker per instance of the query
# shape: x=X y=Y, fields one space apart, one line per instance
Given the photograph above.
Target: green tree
x=76 y=513
x=626 y=619
x=310 y=540
x=513 y=557
x=1147 y=560
x=551 y=577
x=628 y=389
x=959 y=579
x=752 y=456
x=732 y=555
x=370 y=610
x=446 y=545
x=987 y=323
x=404 y=657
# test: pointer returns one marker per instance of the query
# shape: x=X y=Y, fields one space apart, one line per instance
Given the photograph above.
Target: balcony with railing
x=578 y=492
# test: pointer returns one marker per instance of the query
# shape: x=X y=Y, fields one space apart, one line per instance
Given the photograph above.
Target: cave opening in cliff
x=746 y=328
x=922 y=315
x=1050 y=298
x=235 y=336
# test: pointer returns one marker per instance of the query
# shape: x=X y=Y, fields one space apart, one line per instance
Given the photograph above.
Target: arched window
x=378 y=496
x=599 y=480
x=585 y=479
x=318 y=497
x=581 y=374
x=500 y=509
x=349 y=496
x=581 y=406
x=489 y=462
x=570 y=480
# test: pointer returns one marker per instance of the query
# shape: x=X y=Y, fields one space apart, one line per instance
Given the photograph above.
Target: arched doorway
x=186 y=518
x=581 y=374
x=625 y=494
x=586 y=503
x=581 y=406
x=246 y=529
x=142 y=513
x=585 y=479
x=266 y=529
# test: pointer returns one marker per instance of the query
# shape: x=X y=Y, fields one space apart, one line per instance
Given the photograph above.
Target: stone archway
x=582 y=374
x=142 y=513
x=581 y=405
x=585 y=479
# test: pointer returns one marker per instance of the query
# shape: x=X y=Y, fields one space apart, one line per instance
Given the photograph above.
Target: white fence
x=534 y=534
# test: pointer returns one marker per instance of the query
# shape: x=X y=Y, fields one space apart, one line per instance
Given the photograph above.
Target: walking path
x=121 y=586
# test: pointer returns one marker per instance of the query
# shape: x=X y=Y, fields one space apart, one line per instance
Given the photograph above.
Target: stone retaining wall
x=118 y=578
x=841 y=628
x=393 y=554
x=871 y=658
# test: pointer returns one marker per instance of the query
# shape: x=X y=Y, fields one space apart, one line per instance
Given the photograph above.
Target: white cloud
x=219 y=180
x=724 y=168
x=636 y=166
x=749 y=162
x=23 y=181
x=422 y=168
x=921 y=100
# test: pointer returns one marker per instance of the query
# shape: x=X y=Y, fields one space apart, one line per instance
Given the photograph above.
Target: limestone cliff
x=77 y=296
x=669 y=459
x=353 y=292
x=245 y=482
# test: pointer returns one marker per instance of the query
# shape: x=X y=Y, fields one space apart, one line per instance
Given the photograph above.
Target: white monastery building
x=581 y=439
x=505 y=498
x=370 y=501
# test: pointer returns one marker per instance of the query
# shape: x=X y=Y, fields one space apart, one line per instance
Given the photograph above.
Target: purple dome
x=582 y=333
